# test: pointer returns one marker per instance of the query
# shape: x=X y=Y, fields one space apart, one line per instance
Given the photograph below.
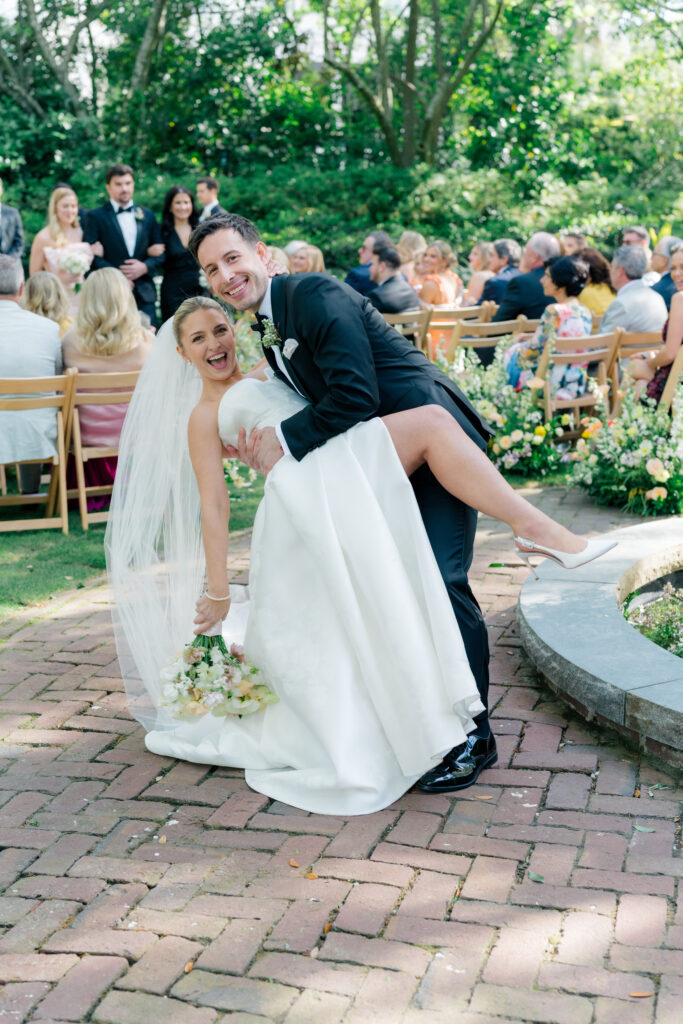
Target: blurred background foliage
x=322 y=118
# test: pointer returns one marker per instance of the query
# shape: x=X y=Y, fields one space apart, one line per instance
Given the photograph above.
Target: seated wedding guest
x=207 y=197
x=392 y=293
x=599 y=292
x=29 y=347
x=181 y=272
x=640 y=237
x=11 y=232
x=661 y=262
x=654 y=370
x=280 y=256
x=504 y=265
x=479 y=259
x=59 y=246
x=572 y=243
x=410 y=245
x=45 y=295
x=563 y=281
x=637 y=307
x=292 y=247
x=308 y=260
x=359 y=277
x=441 y=285
x=108 y=337
x=524 y=293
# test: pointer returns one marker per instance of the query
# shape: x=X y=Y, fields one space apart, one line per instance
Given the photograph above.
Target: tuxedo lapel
x=116 y=228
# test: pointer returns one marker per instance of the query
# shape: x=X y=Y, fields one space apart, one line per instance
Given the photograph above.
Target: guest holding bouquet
x=59 y=247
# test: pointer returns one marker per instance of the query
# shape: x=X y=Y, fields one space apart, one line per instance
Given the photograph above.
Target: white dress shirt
x=266 y=309
x=129 y=229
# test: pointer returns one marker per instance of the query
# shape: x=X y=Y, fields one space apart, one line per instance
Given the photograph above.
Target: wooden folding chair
x=95 y=389
x=445 y=318
x=597 y=349
x=412 y=324
x=632 y=343
x=23 y=393
x=485 y=335
x=673 y=379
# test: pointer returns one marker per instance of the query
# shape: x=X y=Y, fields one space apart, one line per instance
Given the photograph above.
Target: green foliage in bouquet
x=523 y=443
x=635 y=461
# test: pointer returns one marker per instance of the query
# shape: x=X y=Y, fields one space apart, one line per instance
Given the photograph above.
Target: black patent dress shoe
x=460 y=768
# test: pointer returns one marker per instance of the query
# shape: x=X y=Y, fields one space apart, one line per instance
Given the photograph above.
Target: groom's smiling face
x=235 y=269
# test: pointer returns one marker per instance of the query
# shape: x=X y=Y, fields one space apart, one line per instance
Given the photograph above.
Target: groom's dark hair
x=221 y=222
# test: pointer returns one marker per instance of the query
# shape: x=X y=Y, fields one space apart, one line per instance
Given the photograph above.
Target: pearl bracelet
x=207 y=594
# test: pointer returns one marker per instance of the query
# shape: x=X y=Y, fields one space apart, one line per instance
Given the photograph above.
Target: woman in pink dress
x=59 y=247
x=108 y=337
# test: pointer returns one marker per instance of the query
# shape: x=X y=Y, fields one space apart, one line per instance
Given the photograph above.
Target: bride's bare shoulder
x=203 y=419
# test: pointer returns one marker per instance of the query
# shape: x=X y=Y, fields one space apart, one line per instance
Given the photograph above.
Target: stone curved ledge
x=571 y=627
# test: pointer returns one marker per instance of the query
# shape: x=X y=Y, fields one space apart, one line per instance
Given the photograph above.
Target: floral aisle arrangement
x=635 y=461
x=523 y=442
x=207 y=677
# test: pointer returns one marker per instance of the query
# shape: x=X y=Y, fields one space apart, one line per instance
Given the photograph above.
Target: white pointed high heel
x=595 y=547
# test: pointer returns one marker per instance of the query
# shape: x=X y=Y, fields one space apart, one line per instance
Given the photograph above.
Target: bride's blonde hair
x=53 y=225
x=190 y=306
x=108 y=320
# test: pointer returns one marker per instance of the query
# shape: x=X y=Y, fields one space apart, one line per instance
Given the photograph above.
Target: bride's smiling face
x=235 y=269
x=208 y=342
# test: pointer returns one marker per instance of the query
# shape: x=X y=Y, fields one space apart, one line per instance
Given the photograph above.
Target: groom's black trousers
x=451 y=526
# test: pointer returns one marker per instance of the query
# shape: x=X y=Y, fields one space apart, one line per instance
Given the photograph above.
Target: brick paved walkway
x=138 y=890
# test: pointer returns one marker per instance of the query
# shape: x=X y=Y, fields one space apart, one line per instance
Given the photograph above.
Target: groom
x=332 y=346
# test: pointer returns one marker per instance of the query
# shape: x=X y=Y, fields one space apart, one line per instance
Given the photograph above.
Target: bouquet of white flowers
x=207 y=677
x=75 y=262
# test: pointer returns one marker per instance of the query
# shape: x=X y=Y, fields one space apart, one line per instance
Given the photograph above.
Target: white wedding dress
x=350 y=622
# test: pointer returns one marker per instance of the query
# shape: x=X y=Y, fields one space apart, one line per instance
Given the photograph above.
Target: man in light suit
x=29 y=347
x=11 y=233
x=207 y=197
x=637 y=307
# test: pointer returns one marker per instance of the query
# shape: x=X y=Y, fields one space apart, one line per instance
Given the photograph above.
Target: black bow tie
x=125 y=209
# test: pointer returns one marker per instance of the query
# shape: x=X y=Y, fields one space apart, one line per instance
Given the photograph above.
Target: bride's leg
x=430 y=434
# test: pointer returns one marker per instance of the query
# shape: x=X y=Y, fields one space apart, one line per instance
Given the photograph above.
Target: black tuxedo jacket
x=394 y=296
x=102 y=225
x=351 y=364
x=524 y=294
x=11 y=234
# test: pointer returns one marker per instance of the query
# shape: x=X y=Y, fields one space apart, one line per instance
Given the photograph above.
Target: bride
x=349 y=619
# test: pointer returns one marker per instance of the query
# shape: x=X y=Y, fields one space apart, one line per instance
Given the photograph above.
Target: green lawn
x=40 y=563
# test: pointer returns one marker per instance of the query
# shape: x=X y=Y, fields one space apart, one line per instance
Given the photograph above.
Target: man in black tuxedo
x=11 y=232
x=524 y=293
x=207 y=197
x=126 y=232
x=392 y=293
x=341 y=355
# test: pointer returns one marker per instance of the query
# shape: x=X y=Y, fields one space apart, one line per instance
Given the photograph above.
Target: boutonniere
x=139 y=213
x=270 y=335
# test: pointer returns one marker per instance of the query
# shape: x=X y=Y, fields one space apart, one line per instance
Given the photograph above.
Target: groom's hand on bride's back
x=261 y=450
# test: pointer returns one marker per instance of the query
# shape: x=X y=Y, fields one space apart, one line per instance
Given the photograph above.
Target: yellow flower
x=566 y=419
x=505 y=442
x=632 y=431
x=541 y=431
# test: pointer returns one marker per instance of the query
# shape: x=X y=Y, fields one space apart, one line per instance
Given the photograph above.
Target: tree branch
x=366 y=92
